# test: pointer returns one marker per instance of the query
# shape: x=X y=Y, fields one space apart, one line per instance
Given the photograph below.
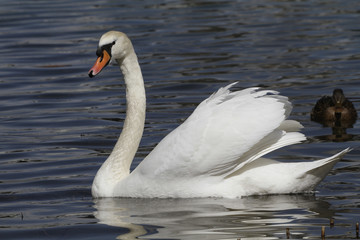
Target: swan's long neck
x=117 y=166
x=129 y=140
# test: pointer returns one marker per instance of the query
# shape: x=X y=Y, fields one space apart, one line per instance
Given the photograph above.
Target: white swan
x=216 y=152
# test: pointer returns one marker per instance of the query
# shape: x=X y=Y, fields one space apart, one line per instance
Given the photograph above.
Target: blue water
x=57 y=126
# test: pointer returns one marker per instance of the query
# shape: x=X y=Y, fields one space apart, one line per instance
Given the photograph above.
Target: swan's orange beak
x=100 y=63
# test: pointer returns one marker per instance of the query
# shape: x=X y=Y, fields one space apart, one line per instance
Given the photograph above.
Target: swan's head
x=113 y=45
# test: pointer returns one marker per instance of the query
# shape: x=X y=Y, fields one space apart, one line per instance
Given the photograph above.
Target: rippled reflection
x=208 y=218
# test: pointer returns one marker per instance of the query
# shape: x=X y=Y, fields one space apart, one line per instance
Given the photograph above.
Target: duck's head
x=113 y=45
x=338 y=97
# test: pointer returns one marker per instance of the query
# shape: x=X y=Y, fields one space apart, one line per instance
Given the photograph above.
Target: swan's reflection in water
x=252 y=217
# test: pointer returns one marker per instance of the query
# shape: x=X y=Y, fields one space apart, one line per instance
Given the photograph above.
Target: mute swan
x=216 y=152
x=334 y=110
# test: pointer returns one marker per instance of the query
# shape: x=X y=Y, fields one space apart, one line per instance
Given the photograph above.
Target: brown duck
x=336 y=110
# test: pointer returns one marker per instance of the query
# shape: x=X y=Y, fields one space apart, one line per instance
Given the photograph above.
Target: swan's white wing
x=225 y=132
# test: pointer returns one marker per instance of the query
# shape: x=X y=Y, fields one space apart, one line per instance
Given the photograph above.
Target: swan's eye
x=99 y=52
x=113 y=43
x=106 y=47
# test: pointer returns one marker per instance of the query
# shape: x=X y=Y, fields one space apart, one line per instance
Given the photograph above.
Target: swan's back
x=217 y=152
x=225 y=132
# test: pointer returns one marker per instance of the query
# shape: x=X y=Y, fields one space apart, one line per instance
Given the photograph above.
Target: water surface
x=57 y=126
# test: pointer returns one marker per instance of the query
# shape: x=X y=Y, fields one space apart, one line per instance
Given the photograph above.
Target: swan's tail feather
x=325 y=165
x=316 y=171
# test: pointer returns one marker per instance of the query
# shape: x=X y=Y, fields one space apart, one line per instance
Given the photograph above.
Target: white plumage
x=217 y=152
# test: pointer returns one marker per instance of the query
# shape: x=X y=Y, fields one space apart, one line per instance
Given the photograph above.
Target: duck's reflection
x=338 y=134
x=210 y=218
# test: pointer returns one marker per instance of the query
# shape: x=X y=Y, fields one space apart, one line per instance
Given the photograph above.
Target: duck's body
x=216 y=152
x=335 y=109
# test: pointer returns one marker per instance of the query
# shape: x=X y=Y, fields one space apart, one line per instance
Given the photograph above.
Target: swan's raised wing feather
x=226 y=131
